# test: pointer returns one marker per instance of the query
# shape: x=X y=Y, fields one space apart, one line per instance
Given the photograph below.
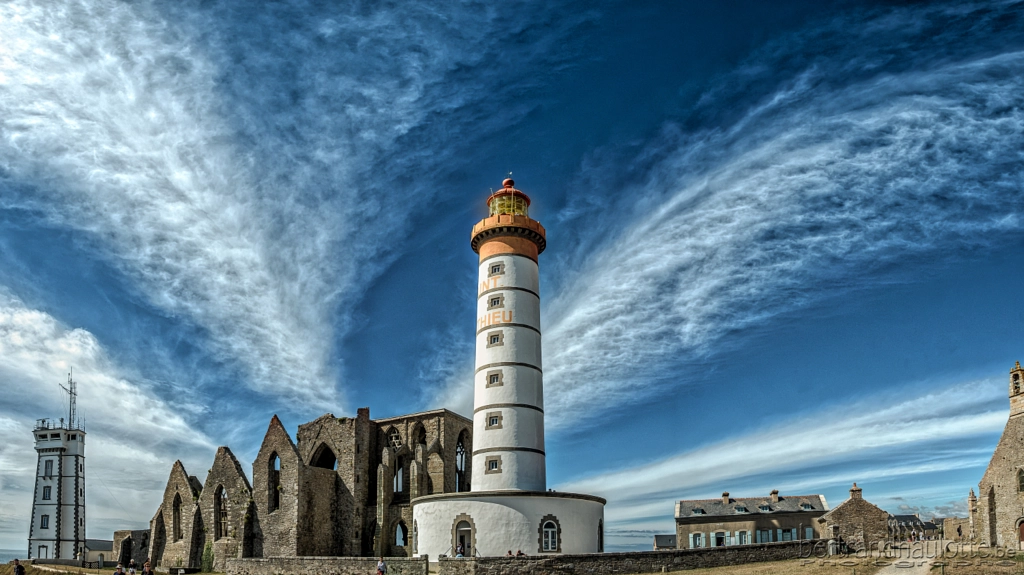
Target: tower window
x=1016 y=383
x=46 y=492
x=494 y=378
x=493 y=420
x=497 y=269
x=1020 y=480
x=492 y=464
x=48 y=467
x=74 y=437
x=44 y=522
x=495 y=338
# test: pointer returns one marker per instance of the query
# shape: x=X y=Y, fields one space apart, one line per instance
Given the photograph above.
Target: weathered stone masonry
x=342 y=489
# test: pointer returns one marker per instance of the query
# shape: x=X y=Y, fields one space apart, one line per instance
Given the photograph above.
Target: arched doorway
x=1020 y=533
x=463 y=536
x=125 y=555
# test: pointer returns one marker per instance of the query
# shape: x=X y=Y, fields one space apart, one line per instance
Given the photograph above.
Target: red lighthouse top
x=508 y=227
x=508 y=200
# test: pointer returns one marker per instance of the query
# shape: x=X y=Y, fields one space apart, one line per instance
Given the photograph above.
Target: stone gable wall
x=237 y=540
x=860 y=524
x=999 y=501
x=634 y=562
x=177 y=552
x=347 y=511
x=325 y=566
x=276 y=532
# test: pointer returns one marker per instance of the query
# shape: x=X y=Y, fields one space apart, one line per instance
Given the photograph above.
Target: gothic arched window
x=401 y=535
x=1020 y=480
x=1016 y=383
x=273 y=483
x=460 y=466
x=399 y=476
x=220 y=511
x=394 y=438
x=176 y=517
x=324 y=458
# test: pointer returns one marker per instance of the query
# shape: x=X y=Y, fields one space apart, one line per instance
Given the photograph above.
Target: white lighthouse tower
x=58 y=506
x=508 y=506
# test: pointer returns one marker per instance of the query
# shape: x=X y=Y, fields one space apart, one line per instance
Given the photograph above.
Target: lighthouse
x=508 y=506
x=508 y=394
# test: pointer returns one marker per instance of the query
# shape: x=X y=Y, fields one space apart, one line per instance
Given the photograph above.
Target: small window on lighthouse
x=493 y=466
x=497 y=269
x=46 y=492
x=495 y=338
x=494 y=421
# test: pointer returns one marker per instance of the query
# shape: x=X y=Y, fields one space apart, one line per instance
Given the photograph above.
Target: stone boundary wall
x=629 y=562
x=65 y=562
x=326 y=566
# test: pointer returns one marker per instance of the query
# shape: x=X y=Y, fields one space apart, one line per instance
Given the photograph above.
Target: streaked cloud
x=238 y=163
x=820 y=188
x=879 y=438
x=129 y=428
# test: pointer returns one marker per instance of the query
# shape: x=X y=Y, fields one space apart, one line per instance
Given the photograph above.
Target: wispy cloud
x=878 y=438
x=822 y=186
x=240 y=163
x=130 y=429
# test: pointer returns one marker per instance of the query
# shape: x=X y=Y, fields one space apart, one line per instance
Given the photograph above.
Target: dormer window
x=741 y=509
x=806 y=507
x=764 y=508
x=698 y=511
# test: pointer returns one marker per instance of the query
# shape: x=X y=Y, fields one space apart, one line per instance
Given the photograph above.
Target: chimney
x=725 y=498
x=855 y=492
x=775 y=495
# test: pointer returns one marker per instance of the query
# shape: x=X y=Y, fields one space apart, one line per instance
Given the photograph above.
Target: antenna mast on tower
x=72 y=389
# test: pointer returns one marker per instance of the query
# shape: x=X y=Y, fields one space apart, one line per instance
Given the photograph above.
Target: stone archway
x=1020 y=533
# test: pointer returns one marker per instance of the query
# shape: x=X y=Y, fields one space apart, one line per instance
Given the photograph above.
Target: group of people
x=519 y=553
x=147 y=568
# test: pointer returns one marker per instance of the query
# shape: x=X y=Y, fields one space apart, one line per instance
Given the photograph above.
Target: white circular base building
x=508 y=507
x=492 y=523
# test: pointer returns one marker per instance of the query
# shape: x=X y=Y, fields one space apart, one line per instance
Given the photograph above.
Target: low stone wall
x=65 y=562
x=326 y=566
x=634 y=562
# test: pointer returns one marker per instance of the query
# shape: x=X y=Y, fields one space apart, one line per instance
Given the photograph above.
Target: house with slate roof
x=745 y=520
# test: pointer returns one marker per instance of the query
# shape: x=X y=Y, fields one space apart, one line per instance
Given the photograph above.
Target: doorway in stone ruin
x=1020 y=533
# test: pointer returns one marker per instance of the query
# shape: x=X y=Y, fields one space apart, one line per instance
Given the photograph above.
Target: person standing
x=382 y=568
x=19 y=569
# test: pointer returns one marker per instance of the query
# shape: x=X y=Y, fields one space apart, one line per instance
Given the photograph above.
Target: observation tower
x=508 y=506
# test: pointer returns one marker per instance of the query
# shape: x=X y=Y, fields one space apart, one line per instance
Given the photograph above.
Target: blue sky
x=784 y=240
